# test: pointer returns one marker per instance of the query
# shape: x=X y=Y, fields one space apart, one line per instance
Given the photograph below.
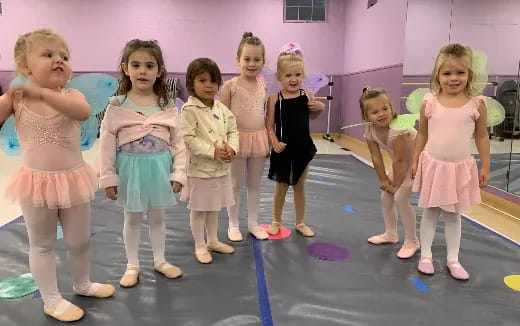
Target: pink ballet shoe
x=457 y=271
x=409 y=249
x=382 y=239
x=426 y=266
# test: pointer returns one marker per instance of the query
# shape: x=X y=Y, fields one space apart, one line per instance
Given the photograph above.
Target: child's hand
x=176 y=187
x=385 y=186
x=279 y=146
x=111 y=192
x=391 y=189
x=28 y=90
x=220 y=154
x=230 y=153
x=315 y=106
x=415 y=165
x=483 y=178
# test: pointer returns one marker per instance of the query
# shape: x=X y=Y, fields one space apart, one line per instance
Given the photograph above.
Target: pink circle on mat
x=327 y=251
x=283 y=234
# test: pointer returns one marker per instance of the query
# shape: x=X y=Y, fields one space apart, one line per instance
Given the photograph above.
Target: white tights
x=253 y=167
x=452 y=231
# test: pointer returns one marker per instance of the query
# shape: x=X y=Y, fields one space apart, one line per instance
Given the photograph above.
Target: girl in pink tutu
x=55 y=184
x=211 y=137
x=445 y=172
x=396 y=187
x=246 y=96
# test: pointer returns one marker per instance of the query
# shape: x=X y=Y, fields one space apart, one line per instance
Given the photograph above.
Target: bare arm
x=71 y=103
x=399 y=165
x=377 y=160
x=225 y=94
x=482 y=142
x=74 y=104
x=420 y=140
x=315 y=107
x=270 y=125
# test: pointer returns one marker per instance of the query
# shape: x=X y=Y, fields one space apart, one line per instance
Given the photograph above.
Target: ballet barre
x=329 y=98
x=418 y=83
x=323 y=98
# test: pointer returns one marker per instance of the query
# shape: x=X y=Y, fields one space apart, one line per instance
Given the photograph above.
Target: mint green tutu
x=144 y=181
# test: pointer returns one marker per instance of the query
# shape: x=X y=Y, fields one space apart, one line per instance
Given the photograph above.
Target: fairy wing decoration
x=495 y=110
x=96 y=87
x=8 y=139
x=480 y=69
x=413 y=105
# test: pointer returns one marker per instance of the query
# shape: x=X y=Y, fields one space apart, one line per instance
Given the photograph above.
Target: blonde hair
x=249 y=39
x=370 y=93
x=463 y=55
x=26 y=41
x=288 y=60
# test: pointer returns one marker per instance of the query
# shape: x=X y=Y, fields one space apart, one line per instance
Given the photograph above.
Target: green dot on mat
x=17 y=286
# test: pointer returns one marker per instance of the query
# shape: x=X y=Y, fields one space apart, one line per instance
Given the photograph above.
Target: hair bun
x=246 y=35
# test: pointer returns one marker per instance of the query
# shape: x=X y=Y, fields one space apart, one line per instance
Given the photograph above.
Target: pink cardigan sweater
x=121 y=126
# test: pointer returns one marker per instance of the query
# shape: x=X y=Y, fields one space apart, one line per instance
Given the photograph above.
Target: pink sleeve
x=429 y=99
x=108 y=148
x=178 y=151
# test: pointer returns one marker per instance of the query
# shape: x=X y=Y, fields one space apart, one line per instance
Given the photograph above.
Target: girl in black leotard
x=288 y=126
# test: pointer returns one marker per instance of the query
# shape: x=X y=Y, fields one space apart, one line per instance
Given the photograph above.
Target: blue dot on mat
x=420 y=285
x=349 y=209
x=319 y=178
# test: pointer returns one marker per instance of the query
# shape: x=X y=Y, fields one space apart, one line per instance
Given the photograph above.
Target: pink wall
x=489 y=26
x=374 y=54
x=185 y=30
x=374 y=37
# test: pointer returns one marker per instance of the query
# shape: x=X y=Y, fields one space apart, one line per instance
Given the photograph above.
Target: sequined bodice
x=248 y=106
x=49 y=143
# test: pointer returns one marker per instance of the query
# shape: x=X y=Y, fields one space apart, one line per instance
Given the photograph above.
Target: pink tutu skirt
x=253 y=144
x=53 y=189
x=452 y=186
x=208 y=194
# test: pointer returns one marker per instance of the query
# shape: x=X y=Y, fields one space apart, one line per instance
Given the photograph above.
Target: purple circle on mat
x=327 y=251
